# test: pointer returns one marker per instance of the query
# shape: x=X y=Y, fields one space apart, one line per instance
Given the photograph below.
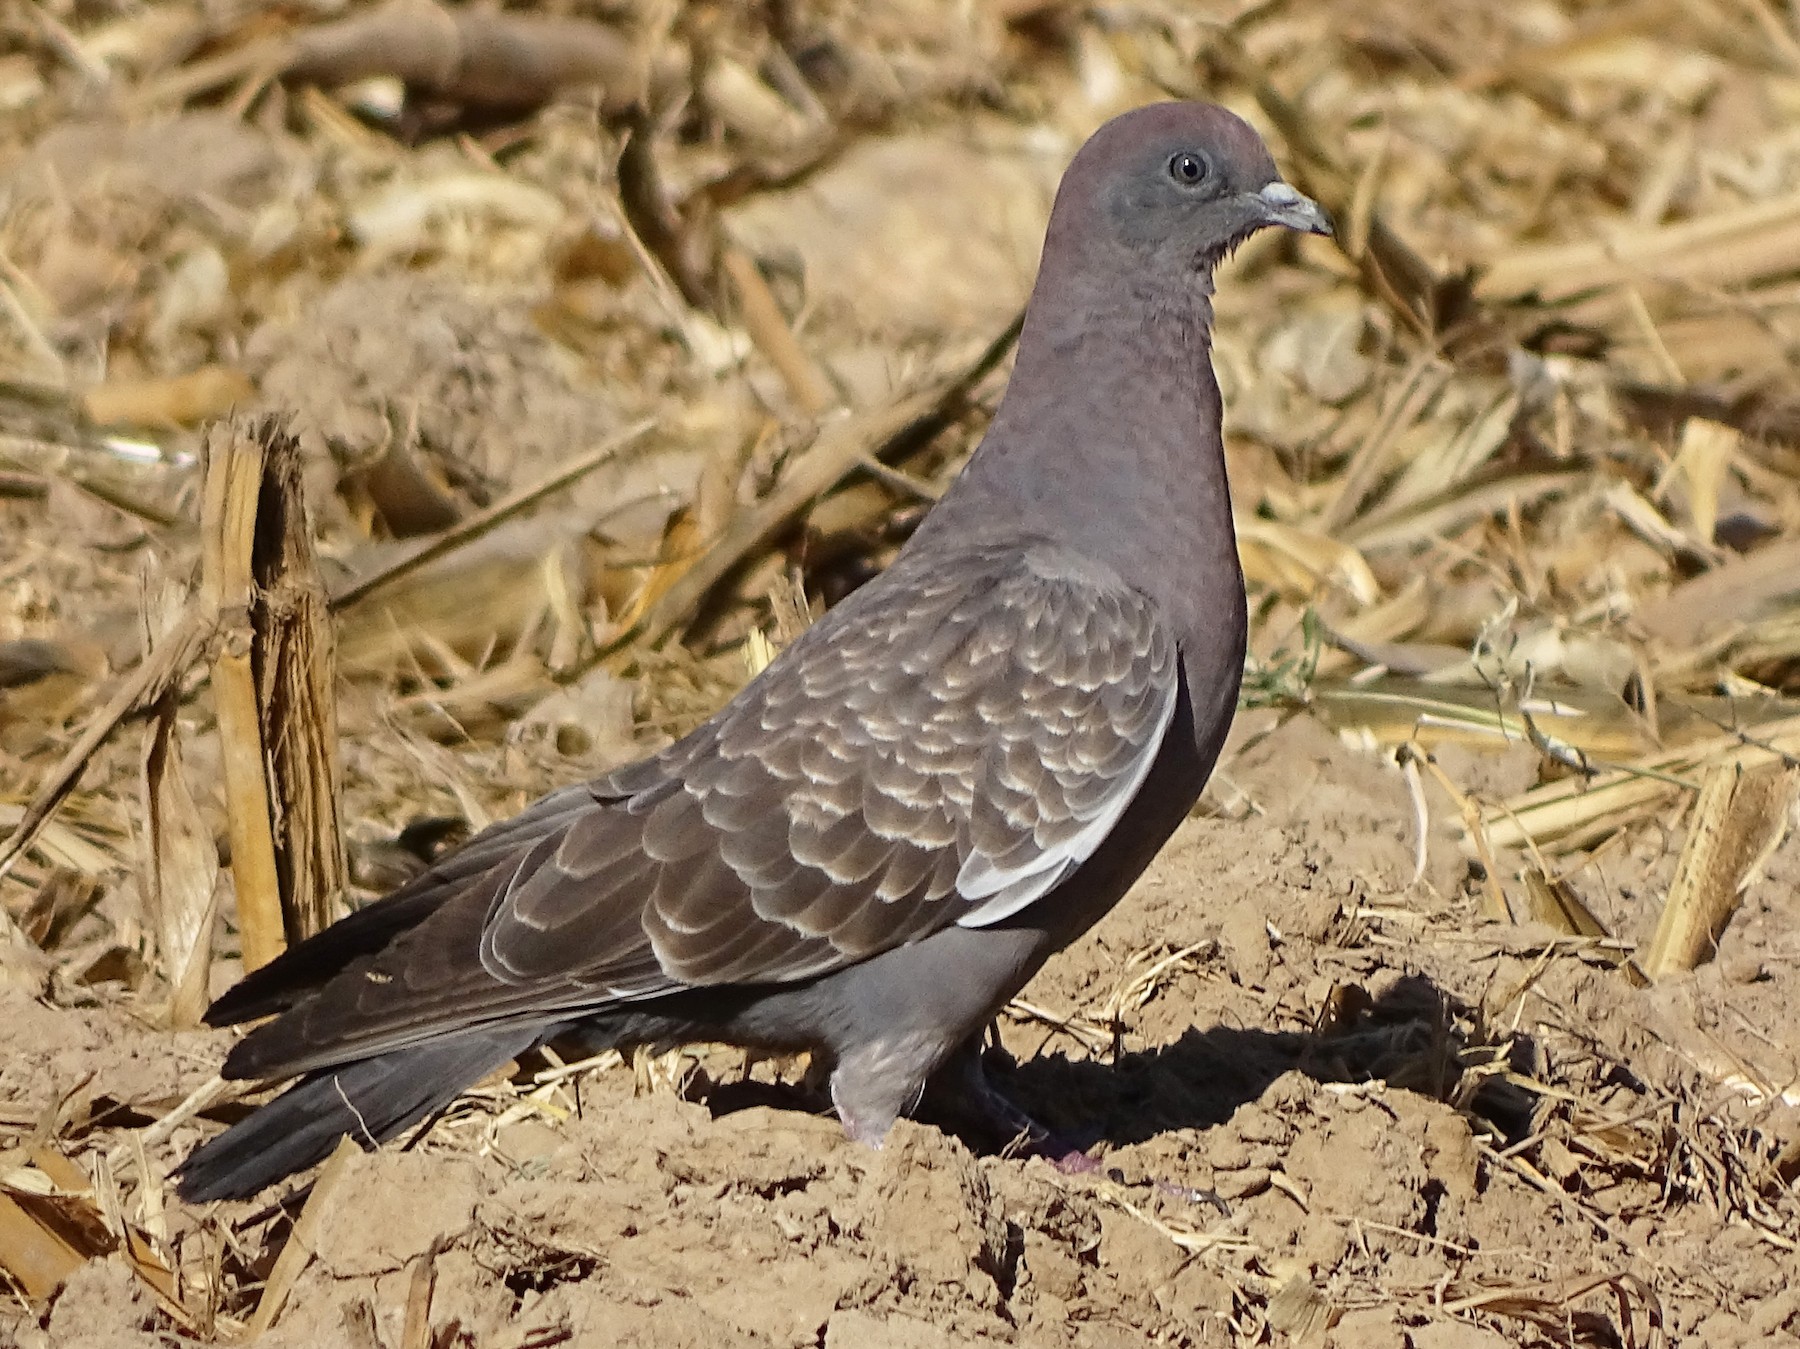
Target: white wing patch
x=1009 y=889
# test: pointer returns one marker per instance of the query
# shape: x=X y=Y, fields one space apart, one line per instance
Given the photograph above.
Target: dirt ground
x=1367 y=1059
x=1422 y=1130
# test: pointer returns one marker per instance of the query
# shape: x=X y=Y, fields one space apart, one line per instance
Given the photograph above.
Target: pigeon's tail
x=370 y=1101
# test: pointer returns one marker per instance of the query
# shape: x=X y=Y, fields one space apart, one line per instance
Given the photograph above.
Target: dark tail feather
x=301 y=969
x=370 y=1101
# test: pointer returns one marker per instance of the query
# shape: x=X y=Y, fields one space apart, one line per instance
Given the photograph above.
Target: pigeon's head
x=1173 y=185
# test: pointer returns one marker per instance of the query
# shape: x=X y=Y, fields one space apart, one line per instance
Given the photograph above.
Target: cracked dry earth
x=1426 y=1131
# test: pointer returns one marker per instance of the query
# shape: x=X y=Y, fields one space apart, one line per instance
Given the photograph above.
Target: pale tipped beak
x=1284 y=205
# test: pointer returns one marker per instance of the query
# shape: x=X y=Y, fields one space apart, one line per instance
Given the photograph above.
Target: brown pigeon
x=951 y=776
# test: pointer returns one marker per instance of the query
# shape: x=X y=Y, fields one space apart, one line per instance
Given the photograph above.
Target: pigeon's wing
x=943 y=748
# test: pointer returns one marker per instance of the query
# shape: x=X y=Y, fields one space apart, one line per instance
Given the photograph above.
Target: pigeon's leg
x=875 y=1083
x=895 y=1019
x=959 y=1097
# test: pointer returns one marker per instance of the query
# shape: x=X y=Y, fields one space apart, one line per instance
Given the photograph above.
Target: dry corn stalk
x=1554 y=903
x=1574 y=811
x=294 y=656
x=234 y=470
x=23 y=963
x=1738 y=820
x=143 y=687
x=303 y=1242
x=181 y=867
x=38 y=1259
x=272 y=683
x=1728 y=247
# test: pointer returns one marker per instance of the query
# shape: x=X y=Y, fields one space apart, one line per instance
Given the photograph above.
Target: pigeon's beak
x=1282 y=204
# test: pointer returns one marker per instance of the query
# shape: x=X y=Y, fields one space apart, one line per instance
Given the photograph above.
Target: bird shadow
x=1413 y=1036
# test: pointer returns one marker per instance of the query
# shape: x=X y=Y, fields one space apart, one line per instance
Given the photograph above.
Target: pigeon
x=950 y=776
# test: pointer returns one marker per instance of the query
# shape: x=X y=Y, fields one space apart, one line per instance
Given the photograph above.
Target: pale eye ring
x=1188 y=168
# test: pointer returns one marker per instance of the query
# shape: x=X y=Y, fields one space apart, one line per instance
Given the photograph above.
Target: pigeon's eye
x=1187 y=168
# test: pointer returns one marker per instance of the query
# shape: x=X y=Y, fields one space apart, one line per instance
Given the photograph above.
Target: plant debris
x=407 y=407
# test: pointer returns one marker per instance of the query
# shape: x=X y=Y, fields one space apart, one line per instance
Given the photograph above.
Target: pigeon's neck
x=1108 y=441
